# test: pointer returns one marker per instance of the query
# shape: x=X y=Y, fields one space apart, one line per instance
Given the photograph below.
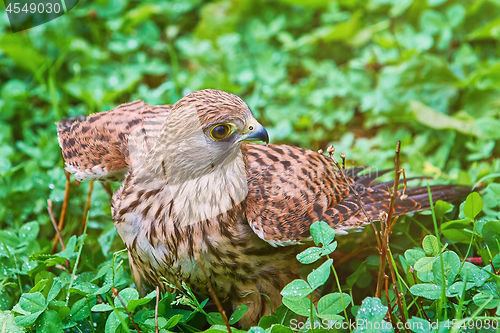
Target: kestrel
x=195 y=189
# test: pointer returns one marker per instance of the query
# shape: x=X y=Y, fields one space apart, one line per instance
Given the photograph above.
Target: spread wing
x=289 y=188
x=99 y=146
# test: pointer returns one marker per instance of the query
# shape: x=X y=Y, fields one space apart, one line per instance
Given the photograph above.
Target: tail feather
x=375 y=200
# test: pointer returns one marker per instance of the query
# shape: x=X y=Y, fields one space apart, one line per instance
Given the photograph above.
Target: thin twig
x=397 y=294
x=58 y=232
x=386 y=225
x=494 y=270
x=386 y=222
x=107 y=187
x=350 y=255
x=214 y=296
x=330 y=151
x=54 y=223
x=389 y=305
x=396 y=183
x=403 y=196
x=378 y=235
x=405 y=185
x=77 y=261
x=87 y=204
x=412 y=270
x=386 y=278
x=393 y=223
x=389 y=231
x=62 y=217
x=383 y=222
x=157 y=329
x=128 y=312
x=382 y=253
x=385 y=229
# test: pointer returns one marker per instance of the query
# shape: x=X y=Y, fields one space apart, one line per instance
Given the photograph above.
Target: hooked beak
x=257 y=132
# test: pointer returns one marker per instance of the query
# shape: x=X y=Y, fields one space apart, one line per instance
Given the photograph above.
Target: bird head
x=223 y=117
x=204 y=132
x=197 y=157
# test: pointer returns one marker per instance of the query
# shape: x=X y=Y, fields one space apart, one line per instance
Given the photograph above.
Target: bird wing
x=99 y=147
x=289 y=188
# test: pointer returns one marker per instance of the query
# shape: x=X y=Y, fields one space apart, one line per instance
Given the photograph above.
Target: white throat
x=207 y=196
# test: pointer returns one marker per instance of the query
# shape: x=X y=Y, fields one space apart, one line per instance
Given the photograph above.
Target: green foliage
x=372 y=311
x=356 y=74
x=297 y=295
x=460 y=288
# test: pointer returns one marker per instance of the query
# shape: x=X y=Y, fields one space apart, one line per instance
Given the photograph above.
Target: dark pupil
x=219 y=132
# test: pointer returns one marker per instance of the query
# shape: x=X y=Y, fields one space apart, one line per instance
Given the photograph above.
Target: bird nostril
x=250 y=128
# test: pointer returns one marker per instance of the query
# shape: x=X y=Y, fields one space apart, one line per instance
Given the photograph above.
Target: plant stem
x=438 y=236
x=87 y=205
x=73 y=274
x=212 y=293
x=91 y=320
x=341 y=294
x=157 y=329
x=117 y=313
x=62 y=217
x=311 y=311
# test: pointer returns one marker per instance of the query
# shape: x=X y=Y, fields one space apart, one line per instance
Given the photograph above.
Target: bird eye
x=220 y=132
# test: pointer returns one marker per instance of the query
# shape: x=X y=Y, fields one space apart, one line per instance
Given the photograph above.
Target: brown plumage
x=193 y=189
